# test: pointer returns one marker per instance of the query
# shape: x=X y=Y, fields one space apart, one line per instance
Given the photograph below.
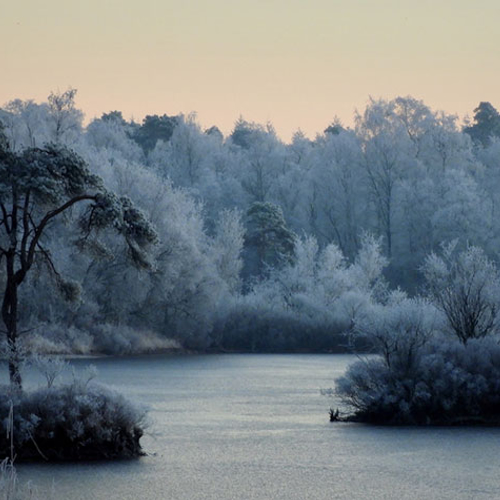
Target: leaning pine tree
x=37 y=186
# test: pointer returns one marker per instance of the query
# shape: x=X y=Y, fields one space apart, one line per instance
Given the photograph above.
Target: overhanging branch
x=48 y=217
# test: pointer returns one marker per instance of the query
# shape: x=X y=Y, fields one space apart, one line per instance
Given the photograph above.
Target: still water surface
x=227 y=427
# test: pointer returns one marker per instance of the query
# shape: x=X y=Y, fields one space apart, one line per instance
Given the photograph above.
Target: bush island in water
x=438 y=359
x=76 y=421
x=449 y=383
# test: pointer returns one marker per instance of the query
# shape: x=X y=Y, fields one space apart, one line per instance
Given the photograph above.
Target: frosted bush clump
x=77 y=421
x=50 y=367
x=438 y=358
x=446 y=383
x=399 y=330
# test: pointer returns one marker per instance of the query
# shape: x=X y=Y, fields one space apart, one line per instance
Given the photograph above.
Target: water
x=229 y=427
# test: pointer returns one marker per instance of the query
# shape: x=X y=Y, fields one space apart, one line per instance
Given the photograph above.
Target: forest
x=253 y=244
x=121 y=238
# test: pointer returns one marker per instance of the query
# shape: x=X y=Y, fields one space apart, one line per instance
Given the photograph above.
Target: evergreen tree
x=38 y=186
x=268 y=241
x=486 y=124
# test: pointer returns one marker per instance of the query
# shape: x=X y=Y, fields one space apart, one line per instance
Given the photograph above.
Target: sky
x=294 y=63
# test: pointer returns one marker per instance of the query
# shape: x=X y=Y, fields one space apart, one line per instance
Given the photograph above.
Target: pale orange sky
x=294 y=63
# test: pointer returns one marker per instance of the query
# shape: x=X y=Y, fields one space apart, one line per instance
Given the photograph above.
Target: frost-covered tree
x=65 y=118
x=186 y=157
x=398 y=330
x=180 y=295
x=37 y=187
x=335 y=184
x=25 y=123
x=384 y=145
x=261 y=156
x=227 y=248
x=112 y=134
x=29 y=124
x=465 y=286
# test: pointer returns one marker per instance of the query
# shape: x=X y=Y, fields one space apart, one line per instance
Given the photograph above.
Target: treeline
x=262 y=245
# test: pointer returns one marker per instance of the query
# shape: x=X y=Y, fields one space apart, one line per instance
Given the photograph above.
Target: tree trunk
x=9 y=316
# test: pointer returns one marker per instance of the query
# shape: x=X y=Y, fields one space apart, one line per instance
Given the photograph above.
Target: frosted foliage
x=178 y=299
x=369 y=262
x=30 y=124
x=399 y=330
x=11 y=488
x=465 y=286
x=186 y=157
x=227 y=248
x=112 y=138
x=462 y=209
x=404 y=174
x=26 y=123
x=331 y=189
x=319 y=292
x=55 y=338
x=332 y=259
x=304 y=268
x=65 y=119
x=50 y=367
x=449 y=383
x=115 y=339
x=262 y=158
x=91 y=422
x=421 y=374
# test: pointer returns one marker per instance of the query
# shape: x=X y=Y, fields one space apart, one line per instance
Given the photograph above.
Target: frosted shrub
x=421 y=374
x=398 y=331
x=465 y=286
x=77 y=421
x=50 y=367
x=452 y=383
